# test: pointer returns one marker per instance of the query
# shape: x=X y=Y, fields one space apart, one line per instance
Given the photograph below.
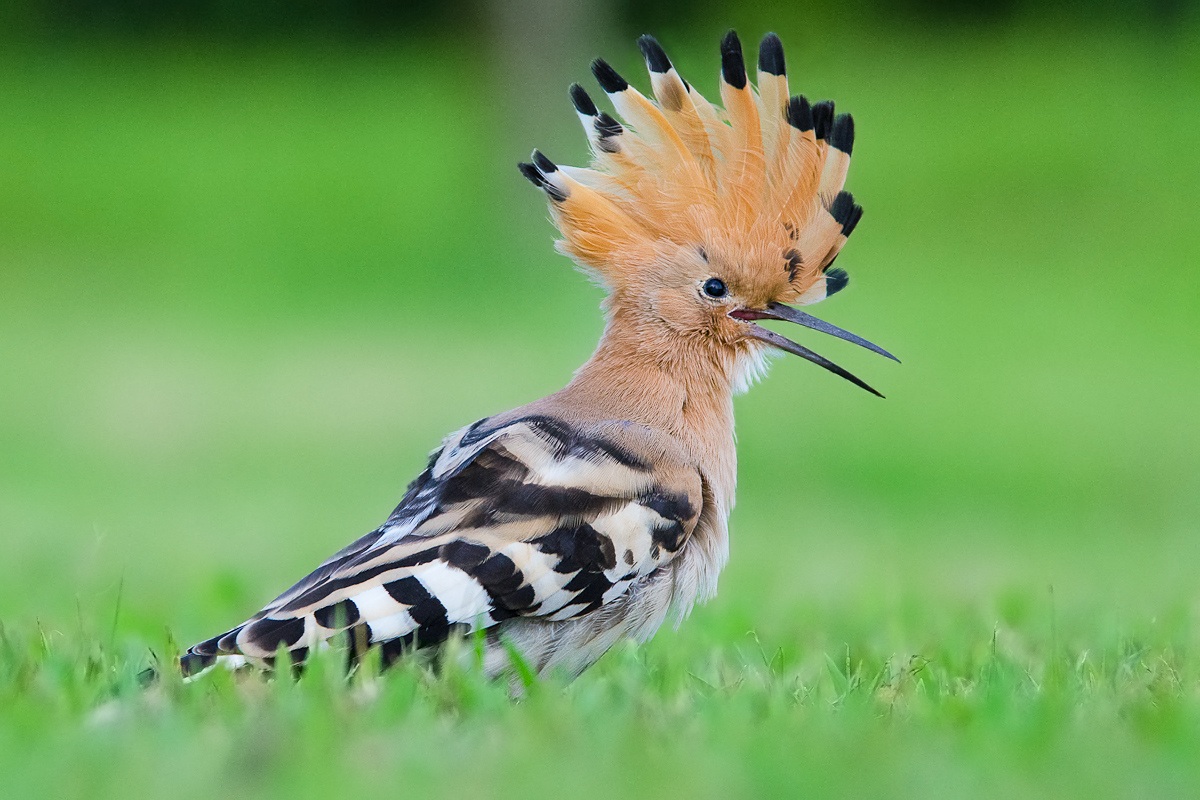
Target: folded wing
x=533 y=516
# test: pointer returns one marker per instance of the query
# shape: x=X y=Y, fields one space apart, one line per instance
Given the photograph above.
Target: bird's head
x=702 y=221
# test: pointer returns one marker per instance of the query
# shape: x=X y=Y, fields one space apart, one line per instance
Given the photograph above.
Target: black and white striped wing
x=530 y=517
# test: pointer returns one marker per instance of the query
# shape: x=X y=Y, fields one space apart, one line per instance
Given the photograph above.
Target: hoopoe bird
x=593 y=515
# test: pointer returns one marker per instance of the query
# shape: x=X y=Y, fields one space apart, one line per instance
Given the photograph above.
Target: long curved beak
x=782 y=312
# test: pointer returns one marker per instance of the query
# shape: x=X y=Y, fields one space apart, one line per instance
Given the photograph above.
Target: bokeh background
x=256 y=259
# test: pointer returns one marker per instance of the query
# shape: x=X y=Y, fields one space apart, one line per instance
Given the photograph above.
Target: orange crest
x=761 y=178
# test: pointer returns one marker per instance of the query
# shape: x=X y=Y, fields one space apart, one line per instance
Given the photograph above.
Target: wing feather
x=530 y=516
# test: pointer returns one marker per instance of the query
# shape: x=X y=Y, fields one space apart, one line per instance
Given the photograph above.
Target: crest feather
x=766 y=170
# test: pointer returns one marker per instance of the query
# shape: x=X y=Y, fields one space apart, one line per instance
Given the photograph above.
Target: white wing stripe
x=375 y=603
x=391 y=627
x=461 y=595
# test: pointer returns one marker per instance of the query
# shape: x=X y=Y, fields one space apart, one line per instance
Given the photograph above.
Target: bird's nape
x=779 y=311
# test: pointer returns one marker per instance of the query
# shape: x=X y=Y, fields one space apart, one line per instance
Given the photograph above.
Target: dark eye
x=715 y=287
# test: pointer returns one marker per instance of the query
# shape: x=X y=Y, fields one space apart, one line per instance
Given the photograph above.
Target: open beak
x=780 y=311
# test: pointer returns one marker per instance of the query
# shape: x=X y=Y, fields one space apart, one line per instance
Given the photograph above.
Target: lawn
x=246 y=289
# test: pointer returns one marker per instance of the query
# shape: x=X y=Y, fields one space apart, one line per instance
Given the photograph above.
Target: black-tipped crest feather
x=842 y=134
x=582 y=101
x=531 y=174
x=606 y=125
x=770 y=55
x=822 y=113
x=835 y=280
x=799 y=113
x=534 y=175
x=542 y=163
x=846 y=212
x=733 y=65
x=656 y=57
x=608 y=78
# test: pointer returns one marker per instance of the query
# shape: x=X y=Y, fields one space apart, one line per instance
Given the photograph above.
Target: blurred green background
x=255 y=263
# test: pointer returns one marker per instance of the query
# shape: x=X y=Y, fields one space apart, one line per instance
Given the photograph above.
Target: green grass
x=244 y=292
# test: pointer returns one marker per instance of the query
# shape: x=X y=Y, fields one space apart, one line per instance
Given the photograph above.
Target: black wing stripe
x=341 y=614
x=318 y=593
x=408 y=591
x=271 y=634
x=579 y=548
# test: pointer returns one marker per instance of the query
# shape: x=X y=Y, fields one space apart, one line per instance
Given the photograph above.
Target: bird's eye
x=715 y=288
